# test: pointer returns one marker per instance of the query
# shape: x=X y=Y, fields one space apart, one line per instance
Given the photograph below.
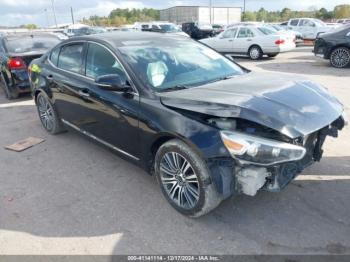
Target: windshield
x=276 y=27
x=23 y=44
x=169 y=28
x=267 y=30
x=167 y=63
x=319 y=22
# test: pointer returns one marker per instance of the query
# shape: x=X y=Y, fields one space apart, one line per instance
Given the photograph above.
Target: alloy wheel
x=255 y=53
x=179 y=180
x=45 y=113
x=340 y=57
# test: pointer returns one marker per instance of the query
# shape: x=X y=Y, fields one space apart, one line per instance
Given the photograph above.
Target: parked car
x=198 y=31
x=16 y=52
x=335 y=46
x=282 y=30
x=309 y=27
x=254 y=41
x=204 y=126
x=218 y=29
x=165 y=27
x=343 y=21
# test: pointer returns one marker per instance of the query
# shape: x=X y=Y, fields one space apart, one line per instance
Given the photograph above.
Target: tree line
x=340 y=11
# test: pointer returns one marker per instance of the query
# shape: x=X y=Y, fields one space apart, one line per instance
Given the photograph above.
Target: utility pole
x=54 y=12
x=71 y=12
x=244 y=11
x=210 y=8
x=47 y=18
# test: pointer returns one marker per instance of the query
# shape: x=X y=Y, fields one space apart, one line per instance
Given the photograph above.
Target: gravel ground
x=71 y=196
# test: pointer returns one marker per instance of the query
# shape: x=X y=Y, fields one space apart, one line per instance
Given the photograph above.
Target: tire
x=193 y=184
x=10 y=94
x=48 y=115
x=340 y=57
x=272 y=55
x=255 y=53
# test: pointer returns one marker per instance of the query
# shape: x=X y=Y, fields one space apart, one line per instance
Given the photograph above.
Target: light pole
x=54 y=12
x=47 y=18
x=210 y=8
x=244 y=10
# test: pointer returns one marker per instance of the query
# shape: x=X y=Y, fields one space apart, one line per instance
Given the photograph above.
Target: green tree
x=31 y=26
x=249 y=16
x=262 y=15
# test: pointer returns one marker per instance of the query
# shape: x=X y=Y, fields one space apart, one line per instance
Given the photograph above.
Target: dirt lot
x=71 y=196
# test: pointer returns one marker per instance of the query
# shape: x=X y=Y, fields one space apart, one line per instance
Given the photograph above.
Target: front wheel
x=255 y=53
x=340 y=57
x=48 y=115
x=184 y=179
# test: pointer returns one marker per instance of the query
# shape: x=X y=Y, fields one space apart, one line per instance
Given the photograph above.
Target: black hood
x=294 y=108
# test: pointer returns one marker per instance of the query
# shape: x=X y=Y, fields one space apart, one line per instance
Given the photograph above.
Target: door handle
x=84 y=93
x=249 y=40
x=230 y=40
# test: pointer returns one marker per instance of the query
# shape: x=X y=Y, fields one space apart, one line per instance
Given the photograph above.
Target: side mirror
x=113 y=83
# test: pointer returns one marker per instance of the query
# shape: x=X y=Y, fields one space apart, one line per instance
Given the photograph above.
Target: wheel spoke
x=167 y=171
x=193 y=192
x=189 y=199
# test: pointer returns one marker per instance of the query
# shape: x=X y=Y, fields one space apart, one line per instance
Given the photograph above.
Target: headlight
x=260 y=151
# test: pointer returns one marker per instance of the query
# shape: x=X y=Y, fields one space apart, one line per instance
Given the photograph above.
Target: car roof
x=120 y=38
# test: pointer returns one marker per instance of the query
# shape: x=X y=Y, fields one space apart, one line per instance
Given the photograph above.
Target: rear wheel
x=255 y=53
x=10 y=94
x=48 y=115
x=184 y=179
x=340 y=57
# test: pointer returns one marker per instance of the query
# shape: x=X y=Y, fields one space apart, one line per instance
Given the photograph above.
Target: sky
x=17 y=12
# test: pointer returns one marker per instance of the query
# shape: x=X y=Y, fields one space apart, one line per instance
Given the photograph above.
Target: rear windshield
x=24 y=44
x=267 y=30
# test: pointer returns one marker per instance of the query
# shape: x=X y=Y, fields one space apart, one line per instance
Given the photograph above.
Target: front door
x=224 y=42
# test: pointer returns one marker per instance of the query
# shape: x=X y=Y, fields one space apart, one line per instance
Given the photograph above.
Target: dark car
x=197 y=31
x=204 y=126
x=16 y=53
x=335 y=46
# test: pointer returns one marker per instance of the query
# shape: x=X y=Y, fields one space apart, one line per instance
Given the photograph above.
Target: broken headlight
x=260 y=151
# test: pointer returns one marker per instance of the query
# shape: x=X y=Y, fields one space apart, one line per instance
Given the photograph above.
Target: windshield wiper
x=175 y=88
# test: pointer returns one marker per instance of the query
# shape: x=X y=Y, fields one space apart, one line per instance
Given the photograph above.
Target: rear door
x=244 y=40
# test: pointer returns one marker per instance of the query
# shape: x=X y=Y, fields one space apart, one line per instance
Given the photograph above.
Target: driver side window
x=100 y=62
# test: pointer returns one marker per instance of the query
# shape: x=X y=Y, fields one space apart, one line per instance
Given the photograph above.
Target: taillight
x=16 y=63
x=280 y=42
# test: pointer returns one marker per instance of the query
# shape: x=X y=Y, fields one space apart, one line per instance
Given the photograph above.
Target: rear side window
x=245 y=32
x=100 y=61
x=54 y=55
x=294 y=22
x=71 y=58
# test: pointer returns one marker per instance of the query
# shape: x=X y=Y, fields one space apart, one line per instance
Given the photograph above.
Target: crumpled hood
x=294 y=108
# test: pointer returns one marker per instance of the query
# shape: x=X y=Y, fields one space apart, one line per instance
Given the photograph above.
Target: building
x=201 y=14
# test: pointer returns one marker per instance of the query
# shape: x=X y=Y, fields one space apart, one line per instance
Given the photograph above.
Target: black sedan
x=335 y=46
x=204 y=126
x=17 y=50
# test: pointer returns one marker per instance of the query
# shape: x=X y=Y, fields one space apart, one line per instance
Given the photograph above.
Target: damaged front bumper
x=249 y=178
